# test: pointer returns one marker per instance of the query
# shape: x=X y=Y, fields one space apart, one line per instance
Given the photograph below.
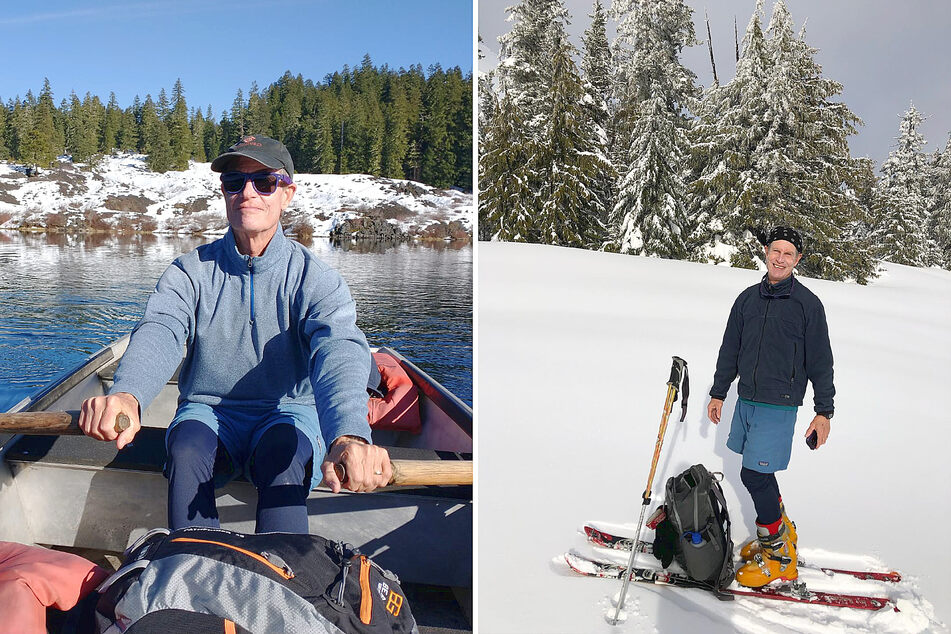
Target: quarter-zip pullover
x=256 y=332
x=776 y=340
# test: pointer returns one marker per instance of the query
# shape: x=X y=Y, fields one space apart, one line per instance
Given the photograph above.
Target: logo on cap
x=249 y=140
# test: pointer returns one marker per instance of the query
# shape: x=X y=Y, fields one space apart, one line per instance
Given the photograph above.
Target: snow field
x=574 y=353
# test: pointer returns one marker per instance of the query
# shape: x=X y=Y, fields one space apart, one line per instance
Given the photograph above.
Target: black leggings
x=280 y=470
x=764 y=490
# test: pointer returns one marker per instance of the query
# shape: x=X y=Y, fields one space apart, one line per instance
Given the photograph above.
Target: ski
x=608 y=570
x=607 y=540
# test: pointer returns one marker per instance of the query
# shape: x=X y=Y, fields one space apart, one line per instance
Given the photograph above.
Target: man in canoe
x=274 y=381
x=776 y=339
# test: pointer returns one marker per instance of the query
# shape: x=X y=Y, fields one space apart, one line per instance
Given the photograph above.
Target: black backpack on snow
x=201 y=580
x=699 y=526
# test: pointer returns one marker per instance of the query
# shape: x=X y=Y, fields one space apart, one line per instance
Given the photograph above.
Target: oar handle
x=423 y=472
x=52 y=423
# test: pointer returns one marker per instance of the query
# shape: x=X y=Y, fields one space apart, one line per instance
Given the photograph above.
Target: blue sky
x=218 y=46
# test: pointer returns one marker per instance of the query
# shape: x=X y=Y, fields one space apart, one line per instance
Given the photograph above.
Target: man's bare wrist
x=348 y=439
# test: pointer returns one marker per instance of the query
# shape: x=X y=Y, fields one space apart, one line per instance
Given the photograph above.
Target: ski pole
x=678 y=370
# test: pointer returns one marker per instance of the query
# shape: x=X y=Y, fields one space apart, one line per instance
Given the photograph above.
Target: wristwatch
x=826 y=414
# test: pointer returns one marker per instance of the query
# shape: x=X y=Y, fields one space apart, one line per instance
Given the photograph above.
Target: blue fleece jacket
x=776 y=339
x=256 y=332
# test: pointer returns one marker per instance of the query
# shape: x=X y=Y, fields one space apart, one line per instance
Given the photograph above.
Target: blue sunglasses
x=264 y=183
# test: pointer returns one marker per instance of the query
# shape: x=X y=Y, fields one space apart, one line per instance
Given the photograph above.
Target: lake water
x=64 y=297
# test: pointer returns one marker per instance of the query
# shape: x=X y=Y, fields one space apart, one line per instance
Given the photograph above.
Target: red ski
x=796 y=594
x=607 y=540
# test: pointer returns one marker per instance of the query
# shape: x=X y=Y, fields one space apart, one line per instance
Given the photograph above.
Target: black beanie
x=785 y=233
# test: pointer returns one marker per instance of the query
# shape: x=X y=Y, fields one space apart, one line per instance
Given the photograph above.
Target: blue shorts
x=763 y=435
x=239 y=430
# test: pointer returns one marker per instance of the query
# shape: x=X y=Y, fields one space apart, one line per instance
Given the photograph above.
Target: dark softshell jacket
x=776 y=339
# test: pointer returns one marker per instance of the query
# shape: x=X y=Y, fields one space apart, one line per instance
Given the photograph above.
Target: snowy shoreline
x=120 y=195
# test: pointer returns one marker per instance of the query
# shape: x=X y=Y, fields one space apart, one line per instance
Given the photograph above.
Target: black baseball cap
x=263 y=149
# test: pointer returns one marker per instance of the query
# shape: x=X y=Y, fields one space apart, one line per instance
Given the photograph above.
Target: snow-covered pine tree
x=516 y=160
x=939 y=218
x=902 y=207
x=656 y=93
x=525 y=58
x=596 y=55
x=801 y=173
x=507 y=205
x=730 y=124
x=596 y=70
x=571 y=157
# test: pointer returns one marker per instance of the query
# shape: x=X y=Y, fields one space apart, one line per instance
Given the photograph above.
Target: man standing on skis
x=776 y=340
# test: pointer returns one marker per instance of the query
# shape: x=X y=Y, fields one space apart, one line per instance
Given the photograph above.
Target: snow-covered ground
x=190 y=201
x=574 y=351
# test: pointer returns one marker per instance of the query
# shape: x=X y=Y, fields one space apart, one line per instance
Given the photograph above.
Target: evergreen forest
x=617 y=147
x=406 y=124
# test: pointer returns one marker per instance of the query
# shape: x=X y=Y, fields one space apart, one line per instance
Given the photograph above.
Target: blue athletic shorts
x=763 y=435
x=239 y=430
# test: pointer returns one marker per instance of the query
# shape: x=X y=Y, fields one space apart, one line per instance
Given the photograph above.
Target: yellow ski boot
x=776 y=560
x=752 y=547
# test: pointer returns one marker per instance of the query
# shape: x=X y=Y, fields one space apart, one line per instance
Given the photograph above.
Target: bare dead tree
x=713 y=64
x=736 y=40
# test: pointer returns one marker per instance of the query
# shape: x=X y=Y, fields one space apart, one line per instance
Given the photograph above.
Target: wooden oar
x=423 y=472
x=51 y=423
x=405 y=472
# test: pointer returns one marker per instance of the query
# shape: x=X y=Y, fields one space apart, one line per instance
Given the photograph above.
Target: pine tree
x=525 y=67
x=37 y=146
x=155 y=136
x=939 y=219
x=128 y=135
x=596 y=65
x=804 y=175
x=731 y=123
x=259 y=116
x=180 y=135
x=506 y=178
x=88 y=121
x=396 y=129
x=521 y=120
x=437 y=161
x=238 y=115
x=656 y=95
x=198 y=136
x=110 y=125
x=211 y=139
x=4 y=132
x=162 y=107
x=902 y=206
x=572 y=155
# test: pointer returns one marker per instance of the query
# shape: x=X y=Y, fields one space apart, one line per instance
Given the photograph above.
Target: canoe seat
x=398 y=409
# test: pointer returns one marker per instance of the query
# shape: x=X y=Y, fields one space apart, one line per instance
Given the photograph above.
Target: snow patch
x=190 y=201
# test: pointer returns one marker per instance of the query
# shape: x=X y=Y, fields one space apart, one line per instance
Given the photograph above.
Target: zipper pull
x=344 y=571
x=280 y=563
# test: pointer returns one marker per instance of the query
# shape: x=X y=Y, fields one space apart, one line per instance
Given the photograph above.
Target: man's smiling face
x=781 y=258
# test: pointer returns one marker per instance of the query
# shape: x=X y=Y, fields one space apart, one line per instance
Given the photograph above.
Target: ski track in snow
x=573 y=355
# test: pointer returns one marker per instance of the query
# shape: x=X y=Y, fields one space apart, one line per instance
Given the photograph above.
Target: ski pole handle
x=678 y=372
x=677 y=367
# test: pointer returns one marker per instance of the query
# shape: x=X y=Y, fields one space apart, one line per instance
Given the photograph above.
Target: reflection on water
x=63 y=297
